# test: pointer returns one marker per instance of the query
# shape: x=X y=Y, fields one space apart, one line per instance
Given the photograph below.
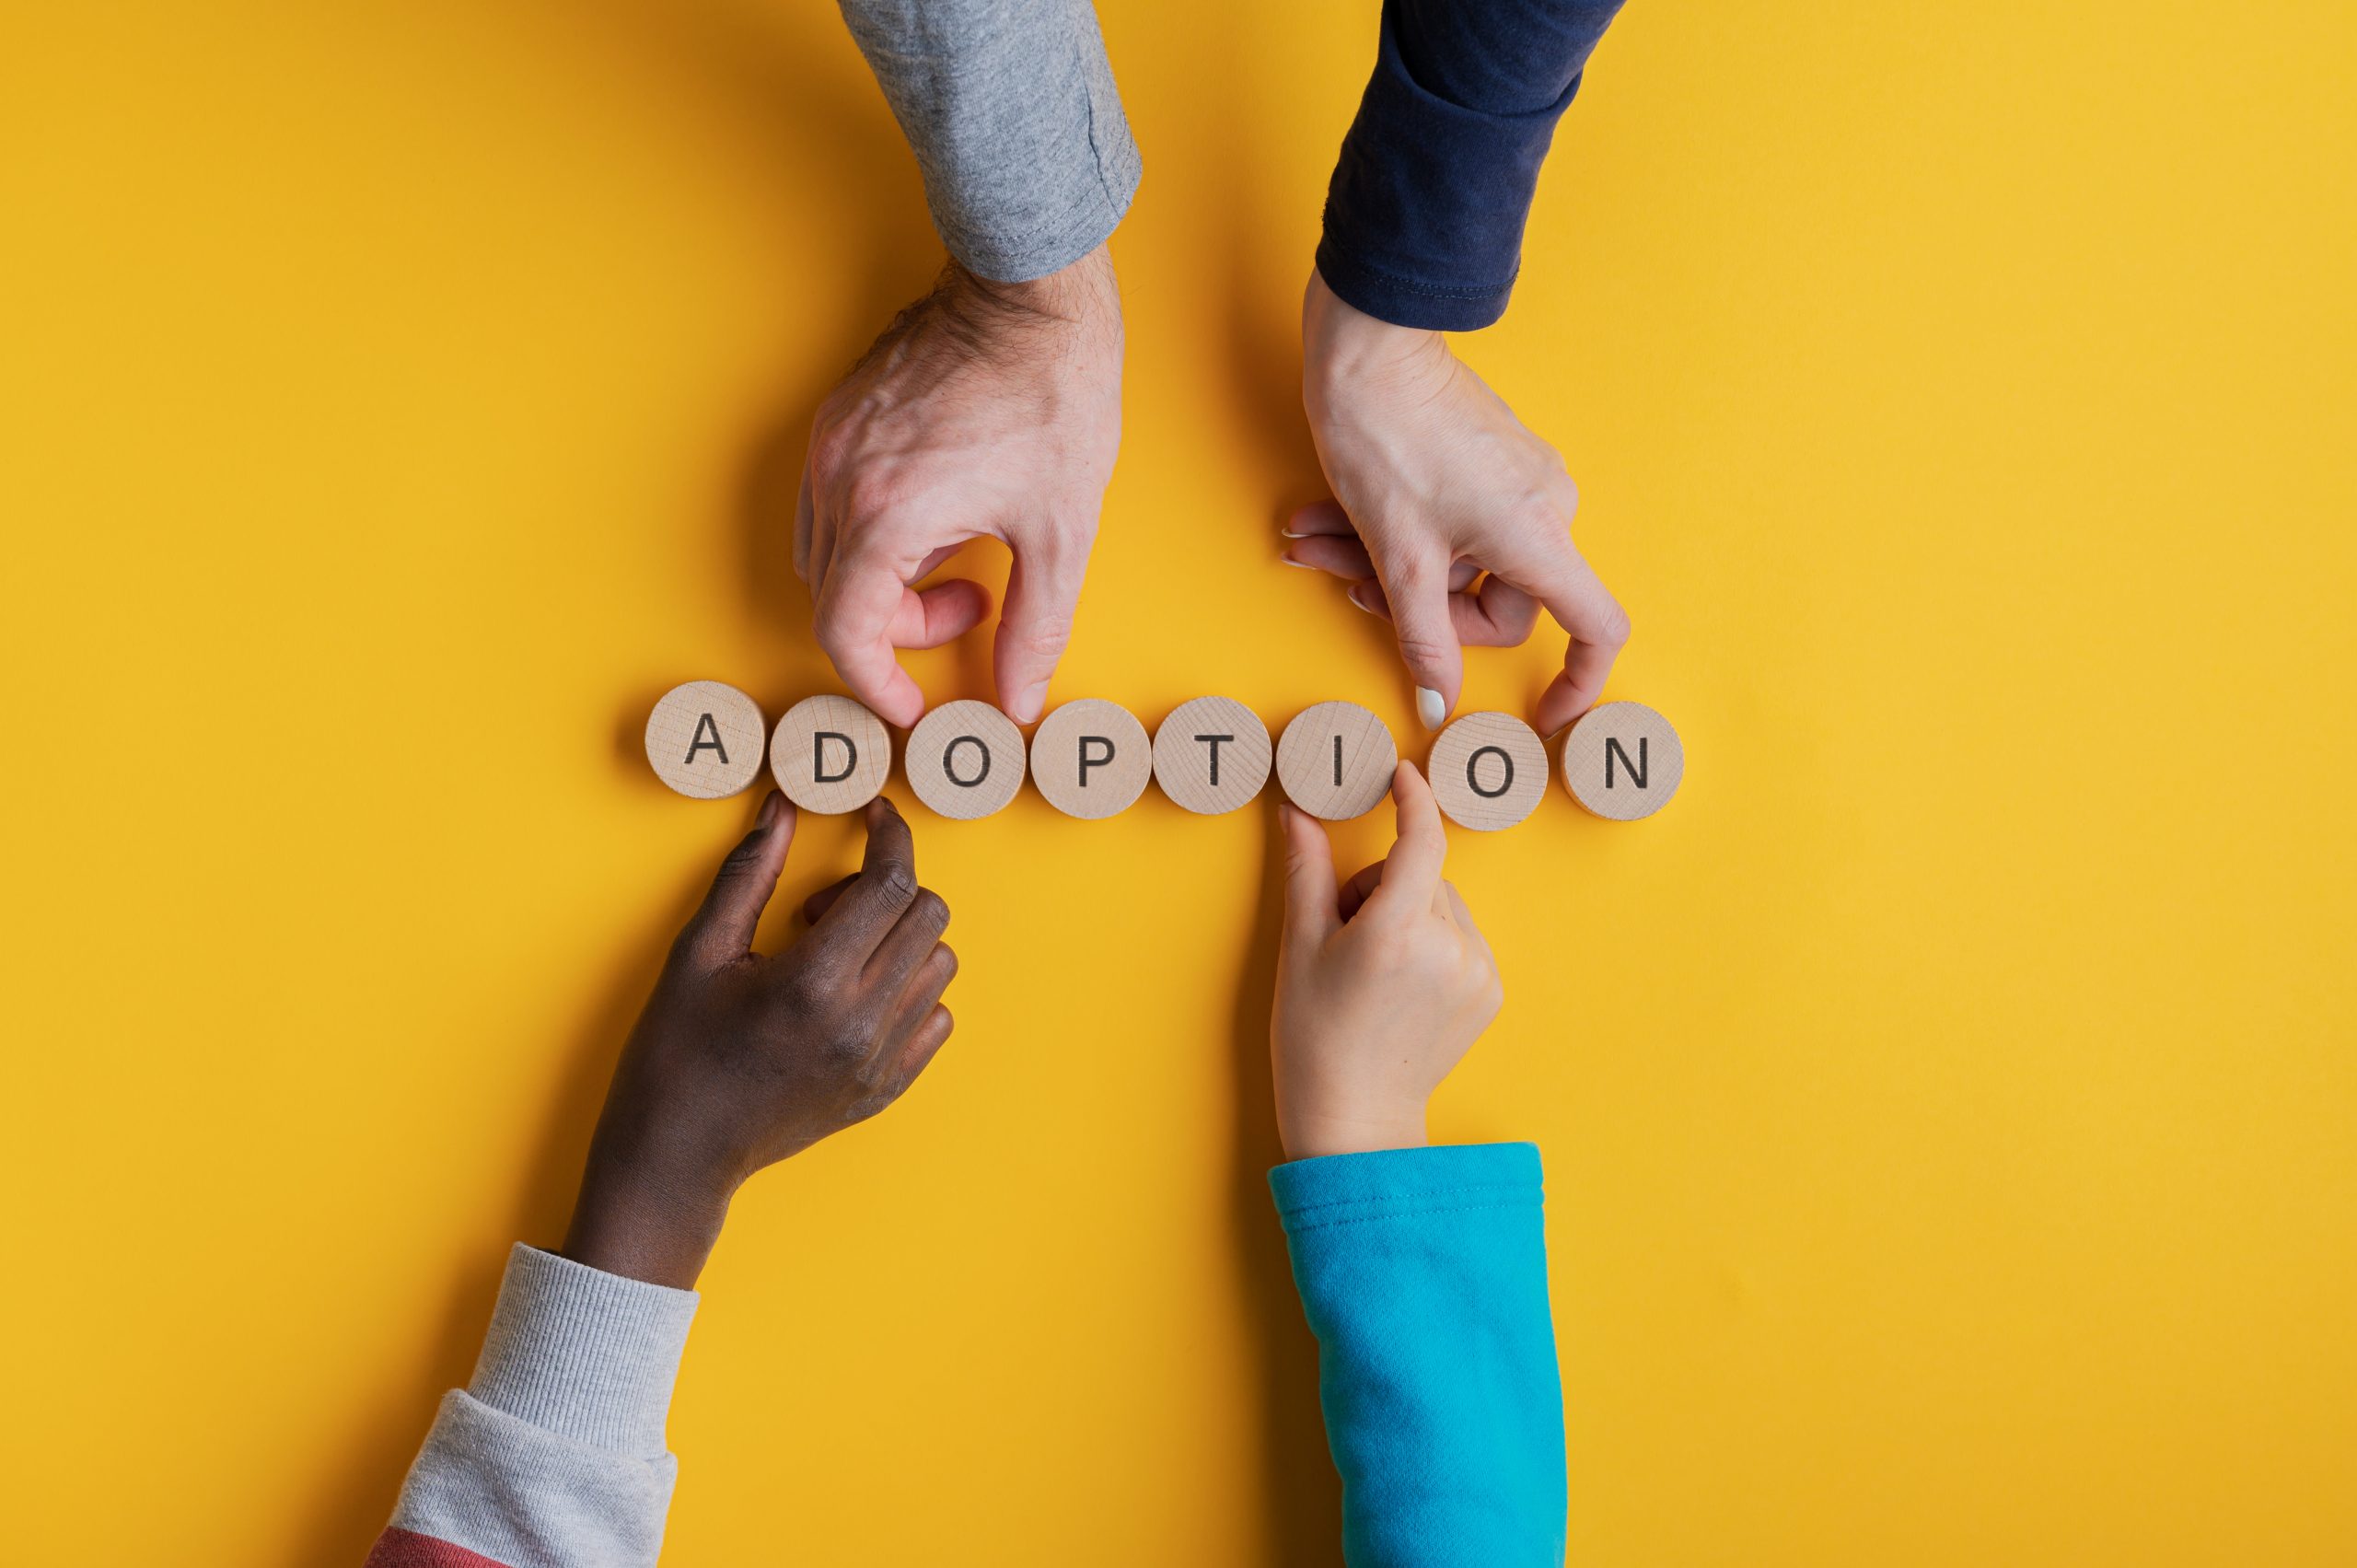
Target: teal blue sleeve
x=1424 y=1274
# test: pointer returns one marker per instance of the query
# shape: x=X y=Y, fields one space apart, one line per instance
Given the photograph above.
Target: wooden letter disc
x=1488 y=771
x=831 y=755
x=1335 y=760
x=704 y=740
x=1211 y=755
x=1623 y=761
x=1091 y=758
x=964 y=760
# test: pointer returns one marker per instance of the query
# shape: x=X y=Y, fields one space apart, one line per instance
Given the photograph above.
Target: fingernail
x=1289 y=534
x=1027 y=706
x=1363 y=604
x=770 y=804
x=1430 y=708
x=1291 y=562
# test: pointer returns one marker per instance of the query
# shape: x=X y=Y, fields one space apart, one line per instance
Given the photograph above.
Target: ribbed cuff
x=583 y=1354
x=1399 y=1183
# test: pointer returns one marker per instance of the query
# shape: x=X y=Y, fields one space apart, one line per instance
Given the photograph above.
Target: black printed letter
x=818 y=773
x=1636 y=769
x=705 y=726
x=1504 y=784
x=1211 y=740
x=950 y=768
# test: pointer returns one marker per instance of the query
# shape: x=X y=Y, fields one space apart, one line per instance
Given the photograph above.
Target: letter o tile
x=1488 y=771
x=1623 y=761
x=1211 y=755
x=1335 y=760
x=831 y=755
x=1091 y=758
x=964 y=760
x=704 y=740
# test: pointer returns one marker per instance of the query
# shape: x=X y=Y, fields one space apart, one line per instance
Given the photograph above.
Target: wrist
x=1341 y=343
x=1072 y=293
x=646 y=1221
x=1312 y=1135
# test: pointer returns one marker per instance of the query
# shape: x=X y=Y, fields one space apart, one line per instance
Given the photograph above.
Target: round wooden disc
x=1335 y=760
x=1623 y=761
x=1211 y=755
x=1488 y=771
x=1091 y=758
x=964 y=760
x=831 y=755
x=704 y=740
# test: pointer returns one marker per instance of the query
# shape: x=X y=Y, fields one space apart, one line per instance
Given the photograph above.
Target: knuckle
x=798 y=991
x=1612 y=626
x=1538 y=514
x=894 y=883
x=844 y=1042
x=1424 y=650
x=930 y=907
x=871 y=497
x=1041 y=638
x=874 y=1102
x=946 y=957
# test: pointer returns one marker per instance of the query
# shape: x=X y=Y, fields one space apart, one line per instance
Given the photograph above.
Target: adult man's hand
x=986 y=409
x=1436 y=482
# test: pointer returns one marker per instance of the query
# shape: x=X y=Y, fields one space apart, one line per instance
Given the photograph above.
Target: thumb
x=1042 y=591
x=1417 y=589
x=1313 y=903
x=722 y=929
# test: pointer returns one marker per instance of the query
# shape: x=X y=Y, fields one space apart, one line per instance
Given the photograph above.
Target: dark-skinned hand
x=742 y=1058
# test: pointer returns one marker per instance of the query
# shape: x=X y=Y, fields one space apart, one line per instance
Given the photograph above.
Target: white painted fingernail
x=1288 y=533
x=1430 y=708
x=1291 y=562
x=1353 y=597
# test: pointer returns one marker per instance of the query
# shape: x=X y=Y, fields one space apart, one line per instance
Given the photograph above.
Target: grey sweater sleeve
x=552 y=1457
x=1011 y=109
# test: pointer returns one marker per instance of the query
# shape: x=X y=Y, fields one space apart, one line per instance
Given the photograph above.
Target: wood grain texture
x=1335 y=760
x=704 y=740
x=1623 y=761
x=831 y=755
x=1488 y=770
x=964 y=760
x=1211 y=755
x=1091 y=758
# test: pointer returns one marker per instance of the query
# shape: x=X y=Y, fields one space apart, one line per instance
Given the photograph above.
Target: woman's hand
x=742 y=1058
x=1383 y=984
x=1435 y=484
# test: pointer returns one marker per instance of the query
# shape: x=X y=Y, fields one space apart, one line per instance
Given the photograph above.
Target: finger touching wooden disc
x=1335 y=760
x=964 y=760
x=831 y=755
x=1091 y=758
x=704 y=740
x=1488 y=771
x=1623 y=761
x=1211 y=755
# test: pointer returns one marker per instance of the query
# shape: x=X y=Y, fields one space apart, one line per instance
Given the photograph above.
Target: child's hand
x=1382 y=985
x=742 y=1058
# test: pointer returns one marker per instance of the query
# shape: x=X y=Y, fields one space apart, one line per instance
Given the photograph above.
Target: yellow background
x=1950 y=1103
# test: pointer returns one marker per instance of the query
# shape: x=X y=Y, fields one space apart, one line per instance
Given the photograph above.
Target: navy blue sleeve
x=1425 y=213
x=1424 y=1274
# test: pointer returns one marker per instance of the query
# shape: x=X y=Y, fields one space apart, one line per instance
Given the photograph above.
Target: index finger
x=854 y=624
x=1412 y=871
x=887 y=884
x=1599 y=627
